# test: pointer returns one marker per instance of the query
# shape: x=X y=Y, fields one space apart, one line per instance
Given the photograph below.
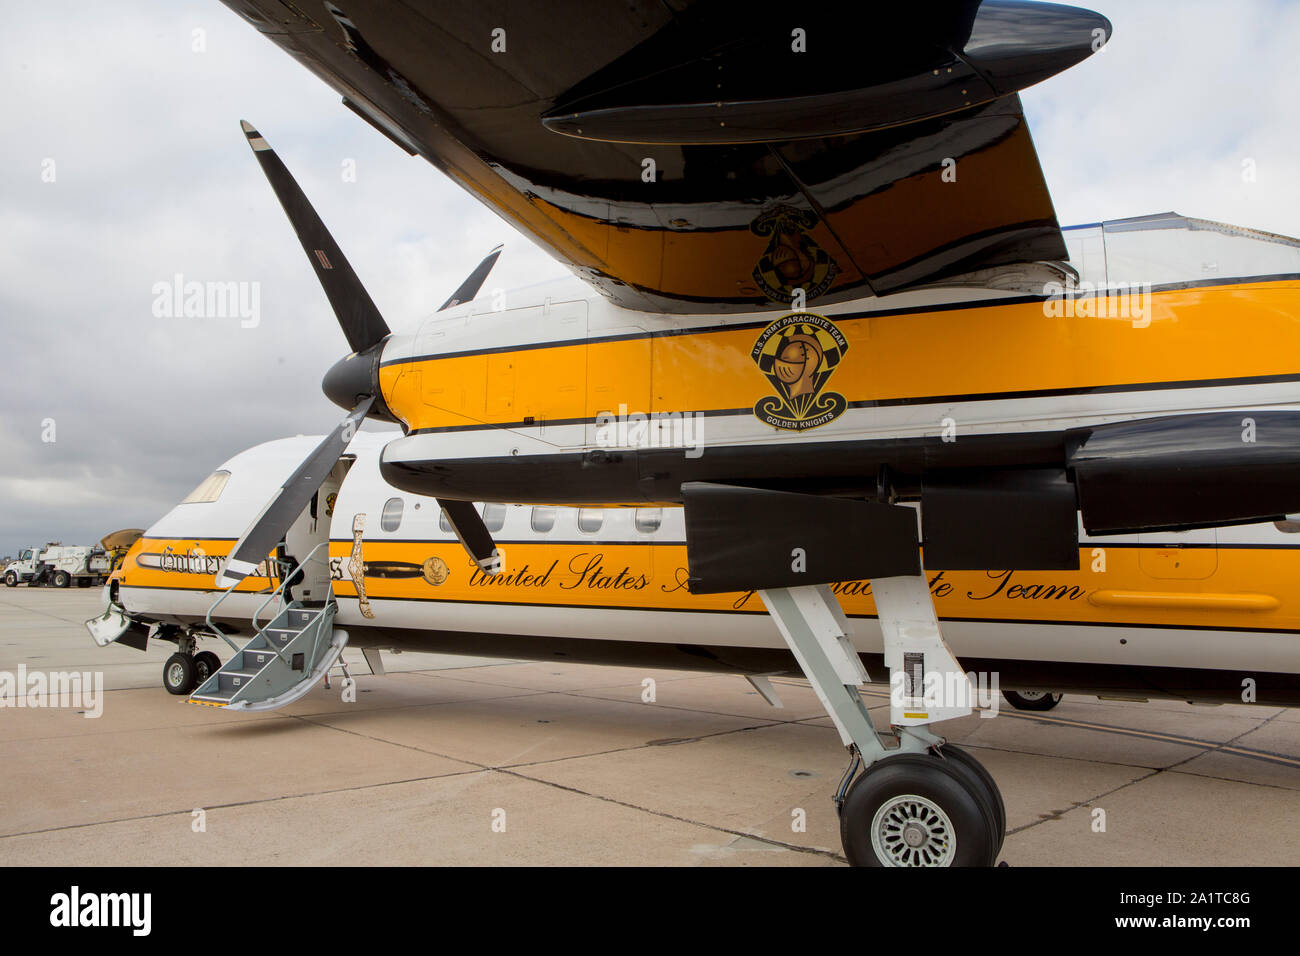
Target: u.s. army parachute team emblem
x=798 y=352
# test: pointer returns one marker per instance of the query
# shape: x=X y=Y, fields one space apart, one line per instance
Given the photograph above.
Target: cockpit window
x=209 y=489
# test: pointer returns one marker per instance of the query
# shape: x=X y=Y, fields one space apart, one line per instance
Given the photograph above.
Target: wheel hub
x=176 y=675
x=910 y=830
x=915 y=836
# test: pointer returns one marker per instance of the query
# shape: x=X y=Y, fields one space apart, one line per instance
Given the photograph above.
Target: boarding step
x=279 y=637
x=279 y=664
x=300 y=617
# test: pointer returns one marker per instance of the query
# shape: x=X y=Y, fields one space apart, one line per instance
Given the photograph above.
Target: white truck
x=59 y=565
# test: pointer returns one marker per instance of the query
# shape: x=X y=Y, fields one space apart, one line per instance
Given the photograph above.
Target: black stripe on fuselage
x=681 y=543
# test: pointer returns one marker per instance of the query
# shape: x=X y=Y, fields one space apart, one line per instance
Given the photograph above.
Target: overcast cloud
x=153 y=178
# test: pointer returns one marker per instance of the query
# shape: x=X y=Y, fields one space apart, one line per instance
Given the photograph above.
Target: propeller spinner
x=352 y=382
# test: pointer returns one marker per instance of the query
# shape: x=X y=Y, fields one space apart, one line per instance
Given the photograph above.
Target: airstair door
x=305 y=541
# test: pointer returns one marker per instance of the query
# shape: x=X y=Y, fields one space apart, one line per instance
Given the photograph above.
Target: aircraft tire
x=978 y=776
x=1031 y=699
x=913 y=810
x=205 y=665
x=178 y=674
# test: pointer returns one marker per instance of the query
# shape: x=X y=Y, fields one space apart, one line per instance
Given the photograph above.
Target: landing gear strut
x=919 y=801
x=181 y=672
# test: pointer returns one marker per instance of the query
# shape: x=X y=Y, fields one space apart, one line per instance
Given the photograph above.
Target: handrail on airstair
x=213 y=627
x=302 y=566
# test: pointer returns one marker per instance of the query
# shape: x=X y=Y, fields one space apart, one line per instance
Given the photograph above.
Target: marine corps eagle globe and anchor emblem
x=798 y=353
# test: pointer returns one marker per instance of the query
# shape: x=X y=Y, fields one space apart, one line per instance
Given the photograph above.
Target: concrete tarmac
x=453 y=760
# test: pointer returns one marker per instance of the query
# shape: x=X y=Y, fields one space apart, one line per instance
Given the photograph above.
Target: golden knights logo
x=798 y=352
x=792 y=259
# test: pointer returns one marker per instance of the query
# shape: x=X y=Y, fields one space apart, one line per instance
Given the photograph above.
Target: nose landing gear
x=1031 y=699
x=179 y=674
x=185 y=670
x=205 y=665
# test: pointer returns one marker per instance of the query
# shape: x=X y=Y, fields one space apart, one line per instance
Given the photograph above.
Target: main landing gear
x=919 y=801
x=185 y=670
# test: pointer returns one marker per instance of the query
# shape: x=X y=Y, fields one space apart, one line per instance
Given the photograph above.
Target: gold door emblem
x=434 y=570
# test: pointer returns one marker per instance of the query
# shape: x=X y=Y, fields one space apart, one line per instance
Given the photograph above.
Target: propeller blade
x=355 y=310
x=473 y=534
x=473 y=282
x=268 y=528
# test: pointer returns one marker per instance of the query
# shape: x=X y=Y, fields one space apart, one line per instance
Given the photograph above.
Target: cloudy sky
x=152 y=178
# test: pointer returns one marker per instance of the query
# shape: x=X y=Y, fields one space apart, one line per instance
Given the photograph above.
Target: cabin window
x=590 y=519
x=391 y=517
x=543 y=519
x=648 y=520
x=209 y=489
x=494 y=516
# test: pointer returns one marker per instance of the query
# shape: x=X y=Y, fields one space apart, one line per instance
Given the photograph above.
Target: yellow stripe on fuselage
x=1234 y=331
x=645 y=576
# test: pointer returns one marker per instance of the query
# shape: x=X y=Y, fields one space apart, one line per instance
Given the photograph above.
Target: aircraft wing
x=690 y=155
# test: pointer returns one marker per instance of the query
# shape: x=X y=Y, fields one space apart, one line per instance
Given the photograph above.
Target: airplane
x=673 y=459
